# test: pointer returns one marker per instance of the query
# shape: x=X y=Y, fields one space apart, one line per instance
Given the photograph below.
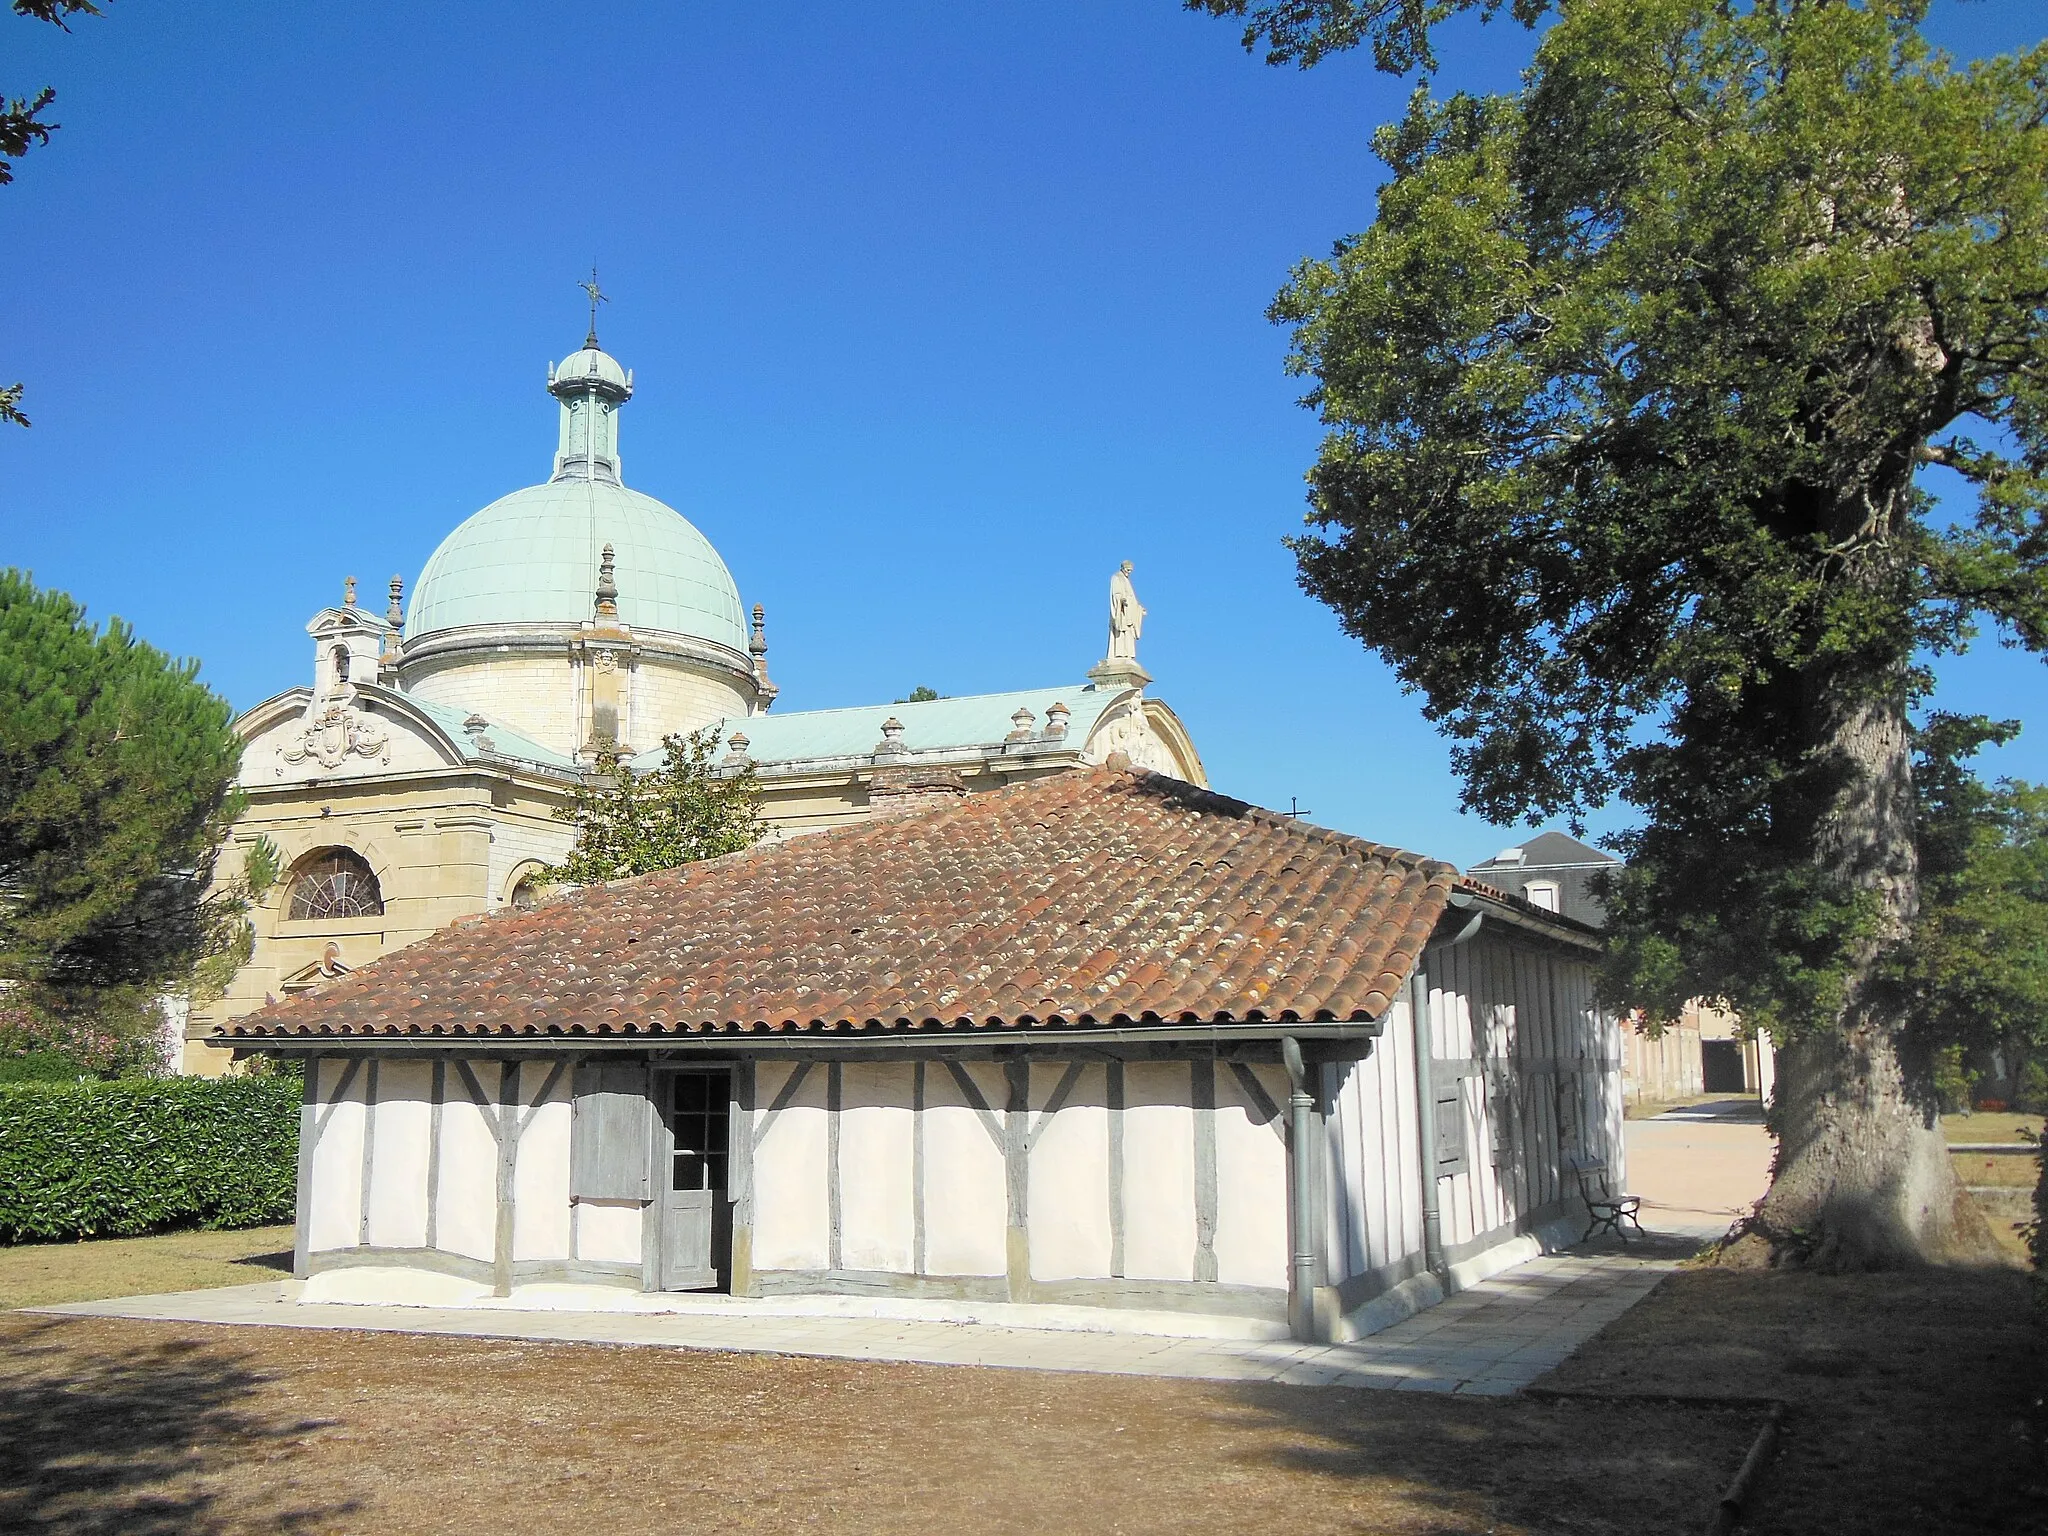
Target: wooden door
x=696 y=1221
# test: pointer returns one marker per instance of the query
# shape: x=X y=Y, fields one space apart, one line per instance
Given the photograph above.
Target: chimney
x=895 y=792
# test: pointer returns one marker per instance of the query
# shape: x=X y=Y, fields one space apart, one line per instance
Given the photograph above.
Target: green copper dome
x=532 y=557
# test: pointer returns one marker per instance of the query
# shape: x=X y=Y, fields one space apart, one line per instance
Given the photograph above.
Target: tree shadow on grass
x=1456 y=1465
x=138 y=1443
x=1913 y=1411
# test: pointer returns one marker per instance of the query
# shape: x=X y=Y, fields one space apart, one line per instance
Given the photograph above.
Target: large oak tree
x=1632 y=387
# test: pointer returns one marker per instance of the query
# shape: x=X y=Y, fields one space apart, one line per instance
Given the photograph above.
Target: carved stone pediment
x=335 y=732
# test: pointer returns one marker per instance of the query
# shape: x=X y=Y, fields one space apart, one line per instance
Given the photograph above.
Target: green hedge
x=141 y=1154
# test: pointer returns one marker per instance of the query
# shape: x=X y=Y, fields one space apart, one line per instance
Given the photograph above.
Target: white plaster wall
x=540 y=1177
x=1159 y=1172
x=337 y=1196
x=1375 y=1202
x=467 y=1207
x=877 y=1219
x=966 y=1201
x=608 y=1231
x=1251 y=1183
x=1070 y=1236
x=399 y=1154
x=792 y=1217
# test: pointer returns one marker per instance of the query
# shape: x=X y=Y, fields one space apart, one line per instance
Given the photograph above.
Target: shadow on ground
x=1462 y=1466
x=131 y=1443
x=1915 y=1405
x=281 y=1262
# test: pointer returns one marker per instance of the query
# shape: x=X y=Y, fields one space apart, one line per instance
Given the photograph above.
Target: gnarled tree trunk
x=1863 y=1177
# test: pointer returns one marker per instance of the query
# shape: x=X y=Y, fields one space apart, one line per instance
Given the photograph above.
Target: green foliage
x=48 y=1033
x=1952 y=1080
x=1977 y=968
x=1626 y=388
x=22 y=125
x=39 y=1066
x=117 y=1159
x=630 y=823
x=116 y=770
x=21 y=122
x=2030 y=1094
x=1302 y=32
x=921 y=695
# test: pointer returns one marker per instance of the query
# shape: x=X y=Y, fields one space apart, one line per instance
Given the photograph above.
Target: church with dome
x=414 y=780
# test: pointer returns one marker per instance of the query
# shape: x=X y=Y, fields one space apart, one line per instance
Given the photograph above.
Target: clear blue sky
x=937 y=311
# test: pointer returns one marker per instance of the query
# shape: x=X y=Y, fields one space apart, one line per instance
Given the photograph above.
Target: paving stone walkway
x=1492 y=1339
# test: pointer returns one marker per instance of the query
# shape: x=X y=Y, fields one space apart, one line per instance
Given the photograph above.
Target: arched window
x=341 y=664
x=526 y=893
x=335 y=883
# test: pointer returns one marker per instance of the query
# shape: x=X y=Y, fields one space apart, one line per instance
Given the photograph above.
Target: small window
x=335 y=883
x=341 y=663
x=700 y=1121
x=1542 y=893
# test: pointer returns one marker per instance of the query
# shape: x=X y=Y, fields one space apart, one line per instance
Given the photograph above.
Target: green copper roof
x=531 y=558
x=503 y=738
x=979 y=720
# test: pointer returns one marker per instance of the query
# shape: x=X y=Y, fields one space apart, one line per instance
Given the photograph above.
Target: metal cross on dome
x=597 y=297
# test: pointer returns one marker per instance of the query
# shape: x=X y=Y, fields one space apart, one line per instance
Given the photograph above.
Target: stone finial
x=757 y=646
x=607 y=585
x=476 y=723
x=394 y=613
x=1022 y=725
x=348 y=592
x=736 y=751
x=1056 y=721
x=891 y=744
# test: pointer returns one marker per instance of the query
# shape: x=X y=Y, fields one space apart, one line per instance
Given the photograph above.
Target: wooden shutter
x=1450 y=1131
x=609 y=1136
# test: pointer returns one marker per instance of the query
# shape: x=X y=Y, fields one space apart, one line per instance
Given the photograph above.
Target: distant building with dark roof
x=1704 y=1051
x=1551 y=871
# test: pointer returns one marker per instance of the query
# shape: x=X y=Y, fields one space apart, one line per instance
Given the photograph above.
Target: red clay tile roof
x=1088 y=898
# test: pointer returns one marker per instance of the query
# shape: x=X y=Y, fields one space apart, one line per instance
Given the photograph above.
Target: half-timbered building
x=1100 y=1039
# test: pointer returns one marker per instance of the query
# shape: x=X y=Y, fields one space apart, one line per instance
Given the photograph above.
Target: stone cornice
x=487 y=640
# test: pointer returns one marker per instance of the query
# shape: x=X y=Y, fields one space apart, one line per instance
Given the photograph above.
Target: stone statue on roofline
x=1119 y=668
x=1126 y=616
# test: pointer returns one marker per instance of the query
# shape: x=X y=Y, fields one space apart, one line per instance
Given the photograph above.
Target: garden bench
x=1607 y=1210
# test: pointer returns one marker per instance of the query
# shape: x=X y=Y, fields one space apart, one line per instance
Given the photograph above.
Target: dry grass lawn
x=38 y=1274
x=158 y=1428
x=1985 y=1125
x=1910 y=1413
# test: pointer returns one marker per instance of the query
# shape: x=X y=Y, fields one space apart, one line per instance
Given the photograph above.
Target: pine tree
x=116 y=774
